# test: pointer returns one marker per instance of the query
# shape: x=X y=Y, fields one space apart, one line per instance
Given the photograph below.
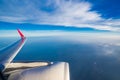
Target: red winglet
x=21 y=34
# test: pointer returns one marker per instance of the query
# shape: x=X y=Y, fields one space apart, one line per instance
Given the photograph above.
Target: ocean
x=91 y=57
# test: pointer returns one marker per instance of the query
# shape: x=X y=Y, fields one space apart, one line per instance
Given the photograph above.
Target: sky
x=89 y=15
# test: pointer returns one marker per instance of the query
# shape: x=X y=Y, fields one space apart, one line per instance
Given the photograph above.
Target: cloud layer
x=56 y=12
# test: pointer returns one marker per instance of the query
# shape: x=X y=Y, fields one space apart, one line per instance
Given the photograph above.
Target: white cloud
x=63 y=12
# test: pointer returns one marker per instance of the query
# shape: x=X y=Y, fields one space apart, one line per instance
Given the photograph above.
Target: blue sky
x=96 y=15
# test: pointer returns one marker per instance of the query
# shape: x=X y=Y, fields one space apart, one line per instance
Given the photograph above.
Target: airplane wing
x=29 y=70
x=8 y=53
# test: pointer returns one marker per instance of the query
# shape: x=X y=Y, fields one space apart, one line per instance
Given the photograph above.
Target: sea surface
x=91 y=57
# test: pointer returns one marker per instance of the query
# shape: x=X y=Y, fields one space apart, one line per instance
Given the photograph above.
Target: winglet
x=21 y=34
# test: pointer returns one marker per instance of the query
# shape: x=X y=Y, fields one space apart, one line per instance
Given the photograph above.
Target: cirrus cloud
x=56 y=12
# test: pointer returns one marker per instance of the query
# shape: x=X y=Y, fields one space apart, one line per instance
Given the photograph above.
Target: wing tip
x=21 y=34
